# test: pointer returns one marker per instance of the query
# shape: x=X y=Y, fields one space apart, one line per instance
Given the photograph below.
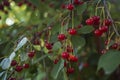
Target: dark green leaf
x=1 y=73
x=56 y=46
x=109 y=61
x=77 y=41
x=81 y=8
x=85 y=29
x=57 y=68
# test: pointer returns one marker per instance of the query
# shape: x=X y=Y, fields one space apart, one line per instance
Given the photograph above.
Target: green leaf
x=57 y=68
x=56 y=46
x=1 y=73
x=82 y=8
x=37 y=47
x=85 y=30
x=5 y=76
x=109 y=61
x=41 y=58
x=23 y=56
x=5 y=64
x=77 y=41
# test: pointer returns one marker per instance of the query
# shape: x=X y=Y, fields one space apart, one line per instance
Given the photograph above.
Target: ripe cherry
x=19 y=68
x=65 y=55
x=103 y=28
x=65 y=64
x=76 y=2
x=115 y=46
x=61 y=37
x=12 y=78
x=69 y=49
x=70 y=70
x=31 y=54
x=103 y=51
x=97 y=32
x=6 y=3
x=56 y=61
x=72 y=31
x=70 y=6
x=1 y=7
x=63 y=6
x=80 y=26
x=107 y=22
x=13 y=63
x=73 y=58
x=36 y=42
x=26 y=66
x=48 y=46
x=95 y=18
x=107 y=42
x=89 y=21
x=20 y=4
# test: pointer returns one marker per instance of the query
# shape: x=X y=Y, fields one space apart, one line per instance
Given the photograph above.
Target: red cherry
x=106 y=42
x=73 y=58
x=65 y=64
x=20 y=4
x=85 y=65
x=76 y=2
x=70 y=70
x=107 y=22
x=79 y=26
x=103 y=28
x=1 y=7
x=97 y=32
x=61 y=37
x=89 y=21
x=81 y=2
x=70 y=6
x=36 y=42
x=63 y=6
x=56 y=61
x=95 y=18
x=115 y=46
x=13 y=63
x=31 y=54
x=69 y=49
x=12 y=78
x=6 y=3
x=72 y=31
x=18 y=68
x=26 y=66
x=103 y=51
x=65 y=55
x=48 y=46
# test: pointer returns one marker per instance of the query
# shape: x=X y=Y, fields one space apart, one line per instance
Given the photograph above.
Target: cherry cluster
x=3 y=4
x=28 y=3
x=70 y=6
x=101 y=27
x=18 y=67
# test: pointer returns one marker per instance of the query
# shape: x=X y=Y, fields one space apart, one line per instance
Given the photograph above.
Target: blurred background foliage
x=18 y=20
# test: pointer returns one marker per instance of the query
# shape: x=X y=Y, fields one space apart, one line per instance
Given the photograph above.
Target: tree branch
x=109 y=15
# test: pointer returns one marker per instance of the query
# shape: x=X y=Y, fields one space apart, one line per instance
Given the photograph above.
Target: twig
x=10 y=74
x=109 y=15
